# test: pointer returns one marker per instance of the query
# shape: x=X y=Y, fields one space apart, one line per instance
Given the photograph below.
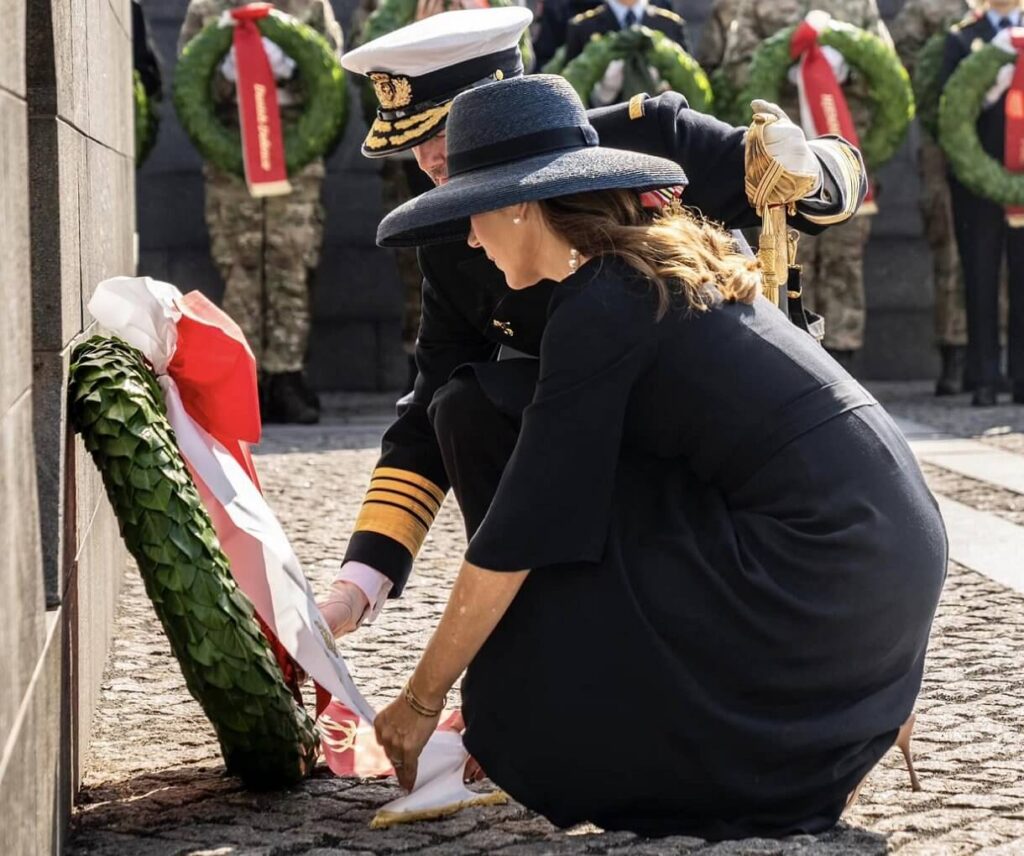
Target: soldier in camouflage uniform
x=266 y=248
x=917 y=22
x=715 y=34
x=833 y=262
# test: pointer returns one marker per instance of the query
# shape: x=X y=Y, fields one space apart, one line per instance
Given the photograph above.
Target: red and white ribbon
x=208 y=377
x=259 y=114
x=1013 y=151
x=823 y=107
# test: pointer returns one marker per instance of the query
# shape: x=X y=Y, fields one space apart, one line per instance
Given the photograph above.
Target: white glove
x=835 y=59
x=1004 y=41
x=660 y=85
x=786 y=142
x=607 y=89
x=281 y=64
x=1003 y=80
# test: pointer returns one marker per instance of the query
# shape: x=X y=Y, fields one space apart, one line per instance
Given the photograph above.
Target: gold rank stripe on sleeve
x=850 y=168
x=400 y=504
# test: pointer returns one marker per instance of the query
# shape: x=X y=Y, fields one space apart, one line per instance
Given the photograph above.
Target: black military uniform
x=602 y=20
x=554 y=22
x=469 y=314
x=983 y=236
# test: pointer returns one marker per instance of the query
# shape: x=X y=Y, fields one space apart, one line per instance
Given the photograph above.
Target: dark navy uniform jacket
x=469 y=312
x=959 y=45
x=602 y=20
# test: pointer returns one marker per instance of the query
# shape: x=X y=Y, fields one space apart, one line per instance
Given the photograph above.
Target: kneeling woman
x=698 y=596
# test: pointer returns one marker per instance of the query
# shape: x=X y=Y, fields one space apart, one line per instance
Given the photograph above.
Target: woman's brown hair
x=681 y=255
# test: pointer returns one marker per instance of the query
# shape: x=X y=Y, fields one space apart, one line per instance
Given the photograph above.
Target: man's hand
x=786 y=143
x=607 y=89
x=344 y=607
x=282 y=65
x=840 y=68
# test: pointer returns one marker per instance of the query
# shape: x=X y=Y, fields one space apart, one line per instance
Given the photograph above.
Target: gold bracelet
x=418 y=706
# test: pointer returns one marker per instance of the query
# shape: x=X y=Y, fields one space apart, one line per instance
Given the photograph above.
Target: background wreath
x=265 y=736
x=312 y=136
x=959 y=107
x=926 y=82
x=390 y=15
x=889 y=90
x=147 y=120
x=650 y=48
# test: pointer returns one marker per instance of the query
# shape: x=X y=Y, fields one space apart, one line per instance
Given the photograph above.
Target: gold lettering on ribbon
x=262 y=125
x=828 y=107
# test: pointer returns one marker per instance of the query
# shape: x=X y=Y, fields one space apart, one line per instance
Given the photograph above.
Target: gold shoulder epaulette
x=665 y=13
x=590 y=13
x=971 y=17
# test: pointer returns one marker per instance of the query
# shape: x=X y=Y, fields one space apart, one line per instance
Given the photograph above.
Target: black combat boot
x=288 y=400
x=951 y=378
x=984 y=396
x=1018 y=392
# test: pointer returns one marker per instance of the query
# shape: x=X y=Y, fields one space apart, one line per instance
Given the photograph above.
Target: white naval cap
x=417 y=70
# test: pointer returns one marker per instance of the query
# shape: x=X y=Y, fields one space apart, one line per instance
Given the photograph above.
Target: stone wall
x=66 y=163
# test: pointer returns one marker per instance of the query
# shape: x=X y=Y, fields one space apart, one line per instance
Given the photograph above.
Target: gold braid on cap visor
x=382 y=133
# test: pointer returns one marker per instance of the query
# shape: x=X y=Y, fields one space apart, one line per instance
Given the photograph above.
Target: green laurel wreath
x=926 y=81
x=147 y=120
x=640 y=47
x=311 y=136
x=391 y=15
x=266 y=738
x=889 y=91
x=959 y=107
x=556 y=63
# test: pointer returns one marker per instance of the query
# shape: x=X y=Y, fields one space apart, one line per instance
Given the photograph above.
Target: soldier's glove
x=786 y=143
x=606 y=90
x=660 y=85
x=835 y=59
x=1004 y=78
x=282 y=65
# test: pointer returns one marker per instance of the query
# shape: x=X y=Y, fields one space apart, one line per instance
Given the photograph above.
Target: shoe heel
x=903 y=742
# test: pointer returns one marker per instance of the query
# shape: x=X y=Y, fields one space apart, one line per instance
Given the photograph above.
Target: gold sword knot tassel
x=773 y=191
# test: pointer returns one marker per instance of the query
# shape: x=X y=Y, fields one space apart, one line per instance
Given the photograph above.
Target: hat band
x=519 y=148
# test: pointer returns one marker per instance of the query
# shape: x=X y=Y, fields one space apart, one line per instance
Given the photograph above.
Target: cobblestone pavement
x=155 y=783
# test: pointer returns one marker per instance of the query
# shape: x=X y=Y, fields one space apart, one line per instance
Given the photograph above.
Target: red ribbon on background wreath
x=259 y=114
x=823 y=107
x=1013 y=152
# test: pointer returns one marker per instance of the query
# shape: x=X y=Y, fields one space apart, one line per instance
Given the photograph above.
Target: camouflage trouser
x=833 y=280
x=264 y=250
x=937 y=213
x=395 y=191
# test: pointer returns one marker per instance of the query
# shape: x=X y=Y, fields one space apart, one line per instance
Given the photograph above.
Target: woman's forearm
x=478 y=600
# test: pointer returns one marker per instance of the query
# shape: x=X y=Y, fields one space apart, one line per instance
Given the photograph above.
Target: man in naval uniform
x=621 y=15
x=469 y=314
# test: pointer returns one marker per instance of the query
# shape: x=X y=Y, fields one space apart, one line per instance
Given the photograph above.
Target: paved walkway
x=155 y=783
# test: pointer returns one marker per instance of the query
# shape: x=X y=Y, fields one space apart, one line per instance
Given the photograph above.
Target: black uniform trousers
x=477 y=416
x=983 y=237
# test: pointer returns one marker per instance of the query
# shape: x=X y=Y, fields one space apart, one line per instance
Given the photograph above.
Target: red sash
x=1013 y=152
x=823 y=107
x=258 y=111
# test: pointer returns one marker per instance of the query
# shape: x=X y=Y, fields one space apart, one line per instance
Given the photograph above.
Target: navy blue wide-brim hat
x=518 y=140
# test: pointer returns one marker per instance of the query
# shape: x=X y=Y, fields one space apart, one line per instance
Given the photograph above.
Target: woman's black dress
x=735 y=565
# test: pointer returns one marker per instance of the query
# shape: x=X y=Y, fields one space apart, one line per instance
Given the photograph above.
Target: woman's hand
x=403 y=733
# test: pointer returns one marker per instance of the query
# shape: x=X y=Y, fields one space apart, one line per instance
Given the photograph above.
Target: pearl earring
x=574 y=260
x=517 y=220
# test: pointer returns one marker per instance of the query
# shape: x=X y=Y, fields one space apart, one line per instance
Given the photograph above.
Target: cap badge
x=393 y=92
